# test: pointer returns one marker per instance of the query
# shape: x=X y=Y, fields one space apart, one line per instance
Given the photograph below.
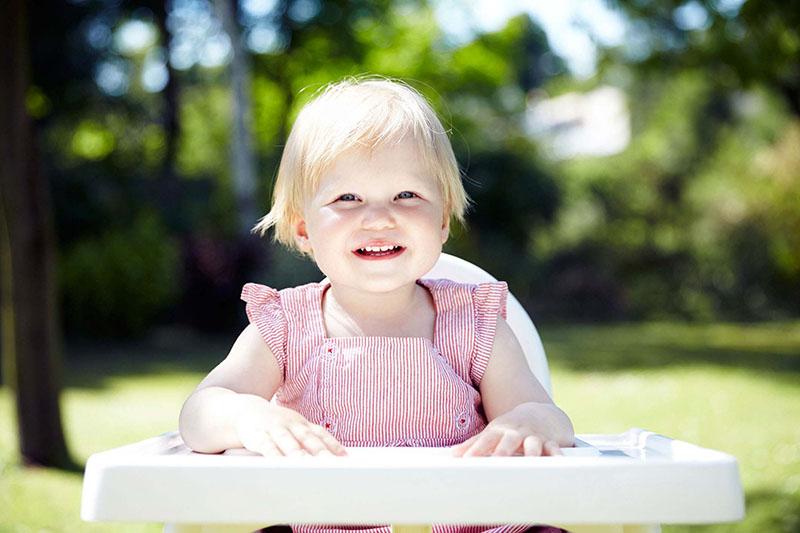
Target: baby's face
x=376 y=221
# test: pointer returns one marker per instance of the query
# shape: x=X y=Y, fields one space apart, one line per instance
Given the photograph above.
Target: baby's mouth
x=379 y=251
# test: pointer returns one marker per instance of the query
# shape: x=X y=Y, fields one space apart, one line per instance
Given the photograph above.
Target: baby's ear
x=445 y=229
x=301 y=236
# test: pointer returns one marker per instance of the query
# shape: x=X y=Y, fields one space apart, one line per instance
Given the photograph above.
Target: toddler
x=373 y=356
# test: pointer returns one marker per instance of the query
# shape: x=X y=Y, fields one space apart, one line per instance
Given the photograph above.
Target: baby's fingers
x=332 y=445
x=551 y=448
x=267 y=447
x=259 y=441
x=316 y=440
x=532 y=446
x=509 y=443
x=484 y=445
x=286 y=442
x=307 y=439
x=460 y=449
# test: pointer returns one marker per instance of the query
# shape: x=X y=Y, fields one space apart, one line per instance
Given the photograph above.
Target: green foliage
x=92 y=141
x=117 y=284
x=269 y=108
x=205 y=117
x=517 y=55
x=745 y=234
x=696 y=218
x=741 y=44
x=402 y=43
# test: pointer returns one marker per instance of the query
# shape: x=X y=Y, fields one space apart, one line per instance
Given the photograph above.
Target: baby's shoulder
x=466 y=291
x=257 y=293
x=482 y=301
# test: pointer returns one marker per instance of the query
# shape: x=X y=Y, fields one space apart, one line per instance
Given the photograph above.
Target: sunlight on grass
x=44 y=499
x=128 y=411
x=730 y=388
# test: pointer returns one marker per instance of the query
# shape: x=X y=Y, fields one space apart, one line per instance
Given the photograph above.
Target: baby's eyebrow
x=401 y=182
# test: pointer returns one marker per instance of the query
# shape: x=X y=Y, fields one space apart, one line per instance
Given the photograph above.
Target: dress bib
x=376 y=391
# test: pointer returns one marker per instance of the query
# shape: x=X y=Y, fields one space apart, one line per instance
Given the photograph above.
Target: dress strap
x=466 y=318
x=489 y=301
x=454 y=330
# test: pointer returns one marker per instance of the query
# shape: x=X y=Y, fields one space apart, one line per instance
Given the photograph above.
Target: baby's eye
x=347 y=197
x=406 y=195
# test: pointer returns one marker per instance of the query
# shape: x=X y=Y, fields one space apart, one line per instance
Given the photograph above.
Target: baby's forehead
x=396 y=162
x=336 y=178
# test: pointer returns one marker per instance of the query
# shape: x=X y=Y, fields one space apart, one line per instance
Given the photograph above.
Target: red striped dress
x=384 y=391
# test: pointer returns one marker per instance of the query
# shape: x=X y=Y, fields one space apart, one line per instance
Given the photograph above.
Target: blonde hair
x=362 y=112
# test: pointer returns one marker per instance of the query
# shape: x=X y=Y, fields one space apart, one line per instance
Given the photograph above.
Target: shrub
x=116 y=284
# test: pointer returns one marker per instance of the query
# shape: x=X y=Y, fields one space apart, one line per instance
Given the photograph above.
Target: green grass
x=731 y=387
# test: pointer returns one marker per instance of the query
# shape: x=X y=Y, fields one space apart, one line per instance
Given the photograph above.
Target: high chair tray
x=632 y=477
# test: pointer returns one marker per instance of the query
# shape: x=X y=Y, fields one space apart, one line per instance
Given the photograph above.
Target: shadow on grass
x=93 y=364
x=768 y=347
x=71 y=466
x=772 y=347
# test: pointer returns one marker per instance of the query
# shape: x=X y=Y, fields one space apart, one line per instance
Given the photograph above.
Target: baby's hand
x=285 y=432
x=506 y=435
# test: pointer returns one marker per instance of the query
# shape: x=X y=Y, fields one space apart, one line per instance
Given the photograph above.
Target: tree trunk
x=169 y=190
x=30 y=340
x=791 y=93
x=170 y=115
x=243 y=162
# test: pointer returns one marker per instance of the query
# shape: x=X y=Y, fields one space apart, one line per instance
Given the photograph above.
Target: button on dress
x=384 y=391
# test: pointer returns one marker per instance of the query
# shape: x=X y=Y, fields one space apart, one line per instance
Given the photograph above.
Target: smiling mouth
x=379 y=252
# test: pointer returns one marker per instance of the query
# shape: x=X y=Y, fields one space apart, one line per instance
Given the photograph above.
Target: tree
x=737 y=43
x=30 y=338
x=243 y=163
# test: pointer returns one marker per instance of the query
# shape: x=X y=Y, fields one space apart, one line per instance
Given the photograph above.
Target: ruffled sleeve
x=488 y=301
x=265 y=312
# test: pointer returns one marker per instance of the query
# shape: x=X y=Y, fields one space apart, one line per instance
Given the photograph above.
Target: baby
x=374 y=355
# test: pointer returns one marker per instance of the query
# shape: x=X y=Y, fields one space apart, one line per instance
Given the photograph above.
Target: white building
x=596 y=123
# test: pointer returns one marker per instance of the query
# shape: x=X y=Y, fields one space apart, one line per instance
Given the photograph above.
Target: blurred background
x=634 y=165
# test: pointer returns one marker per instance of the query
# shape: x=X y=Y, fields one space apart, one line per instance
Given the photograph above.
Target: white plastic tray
x=632 y=477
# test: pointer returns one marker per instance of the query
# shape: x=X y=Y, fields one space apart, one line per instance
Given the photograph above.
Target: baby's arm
x=522 y=417
x=230 y=408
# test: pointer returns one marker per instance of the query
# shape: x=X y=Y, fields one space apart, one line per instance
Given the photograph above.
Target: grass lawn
x=735 y=388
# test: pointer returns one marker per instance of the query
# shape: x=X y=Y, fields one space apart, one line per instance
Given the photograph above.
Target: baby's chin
x=375 y=284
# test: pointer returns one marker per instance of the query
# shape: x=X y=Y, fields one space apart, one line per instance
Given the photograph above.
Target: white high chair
x=628 y=482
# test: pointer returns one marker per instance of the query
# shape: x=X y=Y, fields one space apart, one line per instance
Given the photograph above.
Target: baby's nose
x=378 y=217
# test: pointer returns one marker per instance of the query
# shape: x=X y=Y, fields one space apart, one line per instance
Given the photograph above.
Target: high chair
x=628 y=482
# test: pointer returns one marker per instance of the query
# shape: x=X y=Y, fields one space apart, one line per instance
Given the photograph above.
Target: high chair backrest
x=452 y=267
